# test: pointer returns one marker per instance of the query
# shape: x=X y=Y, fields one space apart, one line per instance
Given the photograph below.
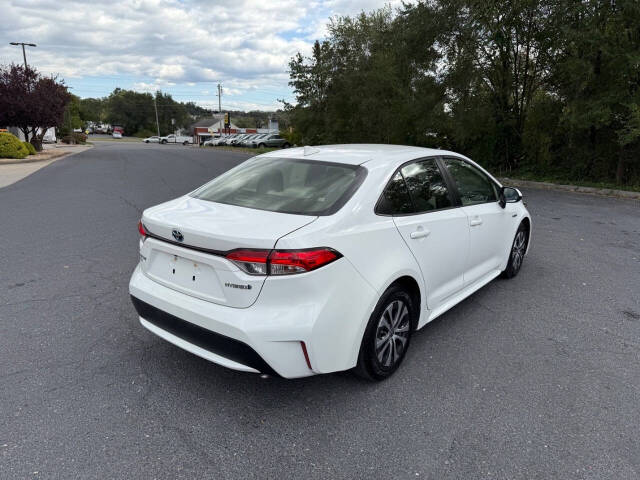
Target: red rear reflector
x=141 y=229
x=306 y=355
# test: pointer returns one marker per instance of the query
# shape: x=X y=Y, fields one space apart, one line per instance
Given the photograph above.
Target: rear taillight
x=282 y=262
x=253 y=262
x=141 y=229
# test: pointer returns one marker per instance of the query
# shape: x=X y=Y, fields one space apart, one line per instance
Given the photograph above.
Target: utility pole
x=220 y=105
x=155 y=104
x=24 y=55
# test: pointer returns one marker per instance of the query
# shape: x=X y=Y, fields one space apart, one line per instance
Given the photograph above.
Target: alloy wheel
x=517 y=251
x=392 y=333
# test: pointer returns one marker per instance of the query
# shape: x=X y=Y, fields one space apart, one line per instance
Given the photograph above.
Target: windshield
x=282 y=185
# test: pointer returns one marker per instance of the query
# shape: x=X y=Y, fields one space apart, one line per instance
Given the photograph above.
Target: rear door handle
x=419 y=234
x=475 y=222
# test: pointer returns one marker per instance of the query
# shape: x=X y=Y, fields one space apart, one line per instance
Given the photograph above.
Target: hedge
x=12 y=147
x=30 y=148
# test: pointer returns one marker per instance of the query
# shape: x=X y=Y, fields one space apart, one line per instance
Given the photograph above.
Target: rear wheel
x=286 y=145
x=387 y=336
x=518 y=249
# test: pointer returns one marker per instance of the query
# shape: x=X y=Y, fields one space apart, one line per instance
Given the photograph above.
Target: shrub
x=30 y=148
x=144 y=133
x=12 y=147
x=76 y=137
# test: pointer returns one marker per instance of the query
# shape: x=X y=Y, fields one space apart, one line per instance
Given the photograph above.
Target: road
x=532 y=378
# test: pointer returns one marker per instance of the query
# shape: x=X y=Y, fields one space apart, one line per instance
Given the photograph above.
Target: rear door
x=433 y=227
x=488 y=221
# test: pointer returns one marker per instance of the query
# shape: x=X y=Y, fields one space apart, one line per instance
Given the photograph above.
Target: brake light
x=282 y=262
x=253 y=262
x=141 y=229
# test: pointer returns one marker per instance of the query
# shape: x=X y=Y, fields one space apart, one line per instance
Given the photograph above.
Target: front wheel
x=387 y=336
x=286 y=145
x=261 y=145
x=516 y=255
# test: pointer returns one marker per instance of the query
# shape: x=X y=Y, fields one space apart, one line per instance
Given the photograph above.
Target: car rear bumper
x=326 y=309
x=200 y=341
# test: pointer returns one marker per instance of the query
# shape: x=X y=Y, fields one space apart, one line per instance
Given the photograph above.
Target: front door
x=488 y=221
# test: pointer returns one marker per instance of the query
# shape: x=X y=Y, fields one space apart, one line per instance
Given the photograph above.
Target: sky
x=182 y=47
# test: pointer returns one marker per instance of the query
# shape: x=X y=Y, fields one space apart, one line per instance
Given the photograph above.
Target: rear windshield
x=285 y=185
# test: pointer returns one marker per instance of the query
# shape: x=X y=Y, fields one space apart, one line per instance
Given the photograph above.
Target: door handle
x=475 y=222
x=419 y=234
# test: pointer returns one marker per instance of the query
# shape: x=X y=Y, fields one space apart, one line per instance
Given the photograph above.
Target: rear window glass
x=285 y=185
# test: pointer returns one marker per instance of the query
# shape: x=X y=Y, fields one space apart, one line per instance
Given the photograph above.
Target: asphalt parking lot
x=532 y=378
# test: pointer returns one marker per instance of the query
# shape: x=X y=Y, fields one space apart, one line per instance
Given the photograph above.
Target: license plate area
x=198 y=274
x=191 y=276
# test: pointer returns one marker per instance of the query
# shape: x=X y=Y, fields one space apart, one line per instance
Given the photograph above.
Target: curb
x=604 y=192
x=37 y=160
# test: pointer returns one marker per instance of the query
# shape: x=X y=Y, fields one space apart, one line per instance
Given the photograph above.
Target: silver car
x=271 y=140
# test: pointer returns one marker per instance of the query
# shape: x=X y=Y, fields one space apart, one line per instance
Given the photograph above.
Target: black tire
x=516 y=254
x=261 y=145
x=379 y=358
x=286 y=145
x=146 y=141
x=164 y=142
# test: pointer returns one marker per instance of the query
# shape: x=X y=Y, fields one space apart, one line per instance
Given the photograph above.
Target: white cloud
x=246 y=44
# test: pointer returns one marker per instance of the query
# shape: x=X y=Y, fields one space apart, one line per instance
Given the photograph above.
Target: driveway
x=532 y=378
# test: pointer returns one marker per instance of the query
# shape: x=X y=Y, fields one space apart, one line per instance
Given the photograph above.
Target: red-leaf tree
x=31 y=102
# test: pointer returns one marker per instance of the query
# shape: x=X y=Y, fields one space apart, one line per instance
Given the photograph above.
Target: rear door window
x=395 y=199
x=426 y=186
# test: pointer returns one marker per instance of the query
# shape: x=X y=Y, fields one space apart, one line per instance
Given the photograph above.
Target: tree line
x=539 y=88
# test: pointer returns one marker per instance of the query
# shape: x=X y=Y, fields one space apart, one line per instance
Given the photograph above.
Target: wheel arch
x=526 y=221
x=411 y=285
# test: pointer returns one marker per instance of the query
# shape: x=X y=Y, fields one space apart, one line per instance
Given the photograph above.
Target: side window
x=426 y=186
x=474 y=186
x=395 y=199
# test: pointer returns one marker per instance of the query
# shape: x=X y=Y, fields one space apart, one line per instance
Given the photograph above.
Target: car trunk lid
x=189 y=238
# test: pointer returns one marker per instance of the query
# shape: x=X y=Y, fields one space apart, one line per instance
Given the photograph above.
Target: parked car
x=116 y=134
x=270 y=140
x=184 y=140
x=237 y=140
x=154 y=139
x=214 y=141
x=226 y=140
x=315 y=260
x=246 y=141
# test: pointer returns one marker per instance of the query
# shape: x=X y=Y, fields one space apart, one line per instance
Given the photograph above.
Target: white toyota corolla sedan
x=319 y=259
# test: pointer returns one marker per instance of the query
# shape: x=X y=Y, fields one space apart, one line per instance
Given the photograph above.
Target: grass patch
x=565 y=181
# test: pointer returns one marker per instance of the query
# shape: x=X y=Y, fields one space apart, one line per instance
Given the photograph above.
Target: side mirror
x=509 y=195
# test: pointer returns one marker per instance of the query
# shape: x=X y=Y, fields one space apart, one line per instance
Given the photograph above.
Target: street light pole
x=220 y=106
x=24 y=54
x=155 y=104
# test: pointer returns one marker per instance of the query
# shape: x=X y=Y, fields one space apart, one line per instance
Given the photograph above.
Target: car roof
x=357 y=154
